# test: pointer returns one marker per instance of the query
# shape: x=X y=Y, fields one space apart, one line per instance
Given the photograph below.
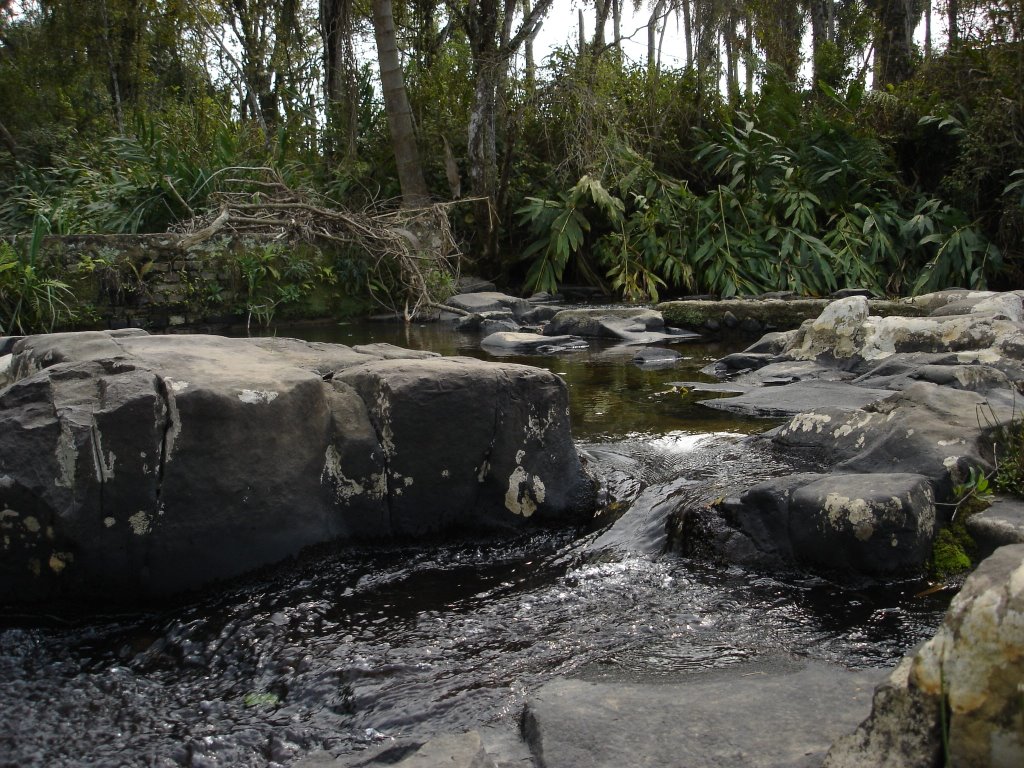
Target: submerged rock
x=637 y=326
x=520 y=342
x=135 y=465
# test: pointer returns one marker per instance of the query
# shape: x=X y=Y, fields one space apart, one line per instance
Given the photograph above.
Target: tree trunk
x=531 y=62
x=953 y=17
x=748 y=57
x=602 y=9
x=339 y=77
x=928 y=30
x=688 y=32
x=657 y=11
x=893 y=41
x=396 y=106
x=822 y=32
x=617 y=27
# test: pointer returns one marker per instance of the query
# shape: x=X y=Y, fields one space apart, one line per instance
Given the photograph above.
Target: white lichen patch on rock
x=31 y=524
x=525 y=492
x=807 y=422
x=858 y=512
x=60 y=560
x=67 y=457
x=103 y=466
x=173 y=426
x=108 y=522
x=141 y=523
x=177 y=386
x=346 y=488
x=382 y=409
x=257 y=396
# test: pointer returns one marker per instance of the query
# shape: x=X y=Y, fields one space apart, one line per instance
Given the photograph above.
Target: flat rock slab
x=778 y=713
x=1002 y=523
x=464 y=750
x=800 y=397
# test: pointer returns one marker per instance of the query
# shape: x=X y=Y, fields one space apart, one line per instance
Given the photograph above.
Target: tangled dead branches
x=411 y=255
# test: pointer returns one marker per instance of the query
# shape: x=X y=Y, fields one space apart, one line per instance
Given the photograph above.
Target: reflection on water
x=352 y=645
x=608 y=395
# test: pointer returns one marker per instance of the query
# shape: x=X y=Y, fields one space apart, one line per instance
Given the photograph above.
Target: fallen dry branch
x=412 y=258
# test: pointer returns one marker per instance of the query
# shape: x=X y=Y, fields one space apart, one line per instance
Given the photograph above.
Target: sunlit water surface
x=350 y=646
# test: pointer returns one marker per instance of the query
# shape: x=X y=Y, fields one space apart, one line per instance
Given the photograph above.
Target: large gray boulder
x=135 y=465
x=973 y=667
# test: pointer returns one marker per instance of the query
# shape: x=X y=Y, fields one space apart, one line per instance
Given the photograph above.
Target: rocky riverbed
x=852 y=488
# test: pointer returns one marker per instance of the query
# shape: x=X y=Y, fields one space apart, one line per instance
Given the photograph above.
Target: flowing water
x=350 y=645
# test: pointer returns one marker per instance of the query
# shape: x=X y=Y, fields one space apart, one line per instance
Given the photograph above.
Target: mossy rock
x=768 y=314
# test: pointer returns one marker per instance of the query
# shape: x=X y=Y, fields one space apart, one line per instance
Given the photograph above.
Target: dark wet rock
x=784 y=371
x=543 y=297
x=7 y=344
x=1001 y=524
x=123 y=456
x=876 y=524
x=538 y=315
x=604 y=323
x=488 y=326
x=782 y=713
x=532 y=342
x=773 y=401
x=471 y=284
x=771 y=343
x=737 y=362
x=844 y=293
x=973 y=666
x=486 y=301
x=651 y=357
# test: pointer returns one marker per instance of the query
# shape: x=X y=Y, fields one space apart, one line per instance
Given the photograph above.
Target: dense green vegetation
x=759 y=163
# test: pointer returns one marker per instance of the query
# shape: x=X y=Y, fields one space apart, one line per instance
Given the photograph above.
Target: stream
x=349 y=646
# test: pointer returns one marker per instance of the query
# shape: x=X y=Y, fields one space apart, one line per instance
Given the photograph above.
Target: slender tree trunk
x=928 y=30
x=396 y=105
x=339 y=76
x=748 y=57
x=8 y=140
x=115 y=84
x=688 y=32
x=822 y=32
x=657 y=11
x=953 y=17
x=617 y=27
x=531 y=63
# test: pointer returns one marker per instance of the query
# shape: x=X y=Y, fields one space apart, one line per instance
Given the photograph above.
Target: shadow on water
x=352 y=645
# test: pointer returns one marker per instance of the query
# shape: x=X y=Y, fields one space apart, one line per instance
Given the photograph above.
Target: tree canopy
x=805 y=146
